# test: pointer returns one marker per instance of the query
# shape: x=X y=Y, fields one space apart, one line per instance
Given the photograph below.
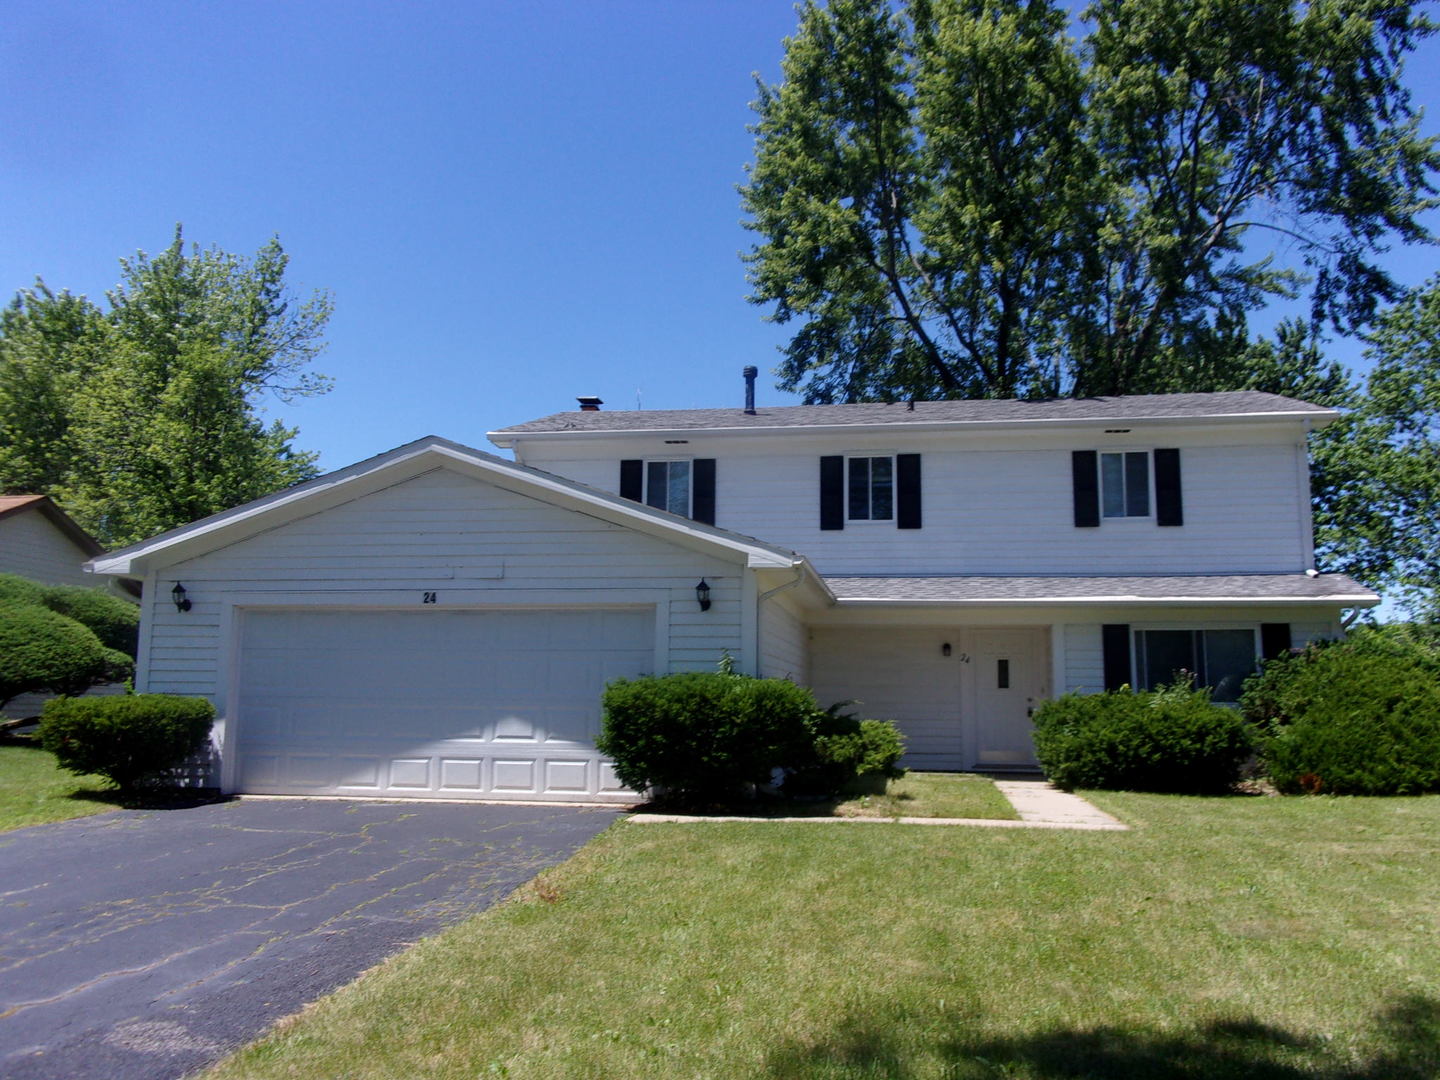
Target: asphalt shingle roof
x=1133 y=408
x=1279 y=587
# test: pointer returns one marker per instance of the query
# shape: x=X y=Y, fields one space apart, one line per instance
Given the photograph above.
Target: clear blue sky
x=512 y=202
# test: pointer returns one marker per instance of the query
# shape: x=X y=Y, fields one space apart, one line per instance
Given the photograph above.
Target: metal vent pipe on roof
x=750 y=372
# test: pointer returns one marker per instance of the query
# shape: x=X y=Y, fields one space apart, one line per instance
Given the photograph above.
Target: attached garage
x=435 y=623
x=445 y=703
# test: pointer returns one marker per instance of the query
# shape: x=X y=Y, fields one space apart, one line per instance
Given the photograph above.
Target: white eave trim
x=506 y=440
x=1366 y=600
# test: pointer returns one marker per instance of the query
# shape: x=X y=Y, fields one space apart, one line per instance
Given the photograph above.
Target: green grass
x=1221 y=938
x=34 y=790
x=916 y=794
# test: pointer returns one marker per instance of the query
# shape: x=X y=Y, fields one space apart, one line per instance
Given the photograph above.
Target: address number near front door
x=429 y=598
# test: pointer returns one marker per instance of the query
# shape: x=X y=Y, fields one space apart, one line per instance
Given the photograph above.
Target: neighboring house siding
x=467 y=540
x=784 y=644
x=999 y=503
x=31 y=546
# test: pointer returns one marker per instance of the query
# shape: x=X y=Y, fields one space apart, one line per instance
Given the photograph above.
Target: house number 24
x=429 y=597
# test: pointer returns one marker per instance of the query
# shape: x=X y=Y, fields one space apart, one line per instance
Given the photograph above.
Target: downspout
x=760 y=605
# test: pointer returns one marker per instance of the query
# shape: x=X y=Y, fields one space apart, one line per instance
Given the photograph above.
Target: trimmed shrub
x=1349 y=719
x=843 y=749
x=136 y=741
x=41 y=650
x=114 y=621
x=703 y=737
x=1170 y=740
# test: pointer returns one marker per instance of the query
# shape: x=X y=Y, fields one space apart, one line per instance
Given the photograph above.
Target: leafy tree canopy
x=955 y=198
x=147 y=415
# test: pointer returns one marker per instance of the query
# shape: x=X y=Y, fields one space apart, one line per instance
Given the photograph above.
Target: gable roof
x=44 y=505
x=413 y=459
x=1168 y=408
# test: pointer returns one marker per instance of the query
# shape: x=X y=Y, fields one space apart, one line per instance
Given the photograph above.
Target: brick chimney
x=589 y=404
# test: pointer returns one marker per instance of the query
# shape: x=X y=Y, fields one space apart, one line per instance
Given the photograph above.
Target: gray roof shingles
x=1236 y=403
x=1278 y=587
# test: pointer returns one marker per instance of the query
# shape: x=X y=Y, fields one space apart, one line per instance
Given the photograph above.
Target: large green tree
x=955 y=198
x=148 y=415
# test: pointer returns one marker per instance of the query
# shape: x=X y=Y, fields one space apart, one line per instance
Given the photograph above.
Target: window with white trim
x=667 y=486
x=1219 y=659
x=870 y=487
x=1125 y=484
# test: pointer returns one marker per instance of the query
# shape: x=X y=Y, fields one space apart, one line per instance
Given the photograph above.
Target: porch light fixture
x=945 y=649
x=702 y=595
x=182 y=602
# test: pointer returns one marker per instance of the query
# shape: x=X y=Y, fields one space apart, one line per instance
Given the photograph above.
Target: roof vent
x=750 y=372
x=589 y=404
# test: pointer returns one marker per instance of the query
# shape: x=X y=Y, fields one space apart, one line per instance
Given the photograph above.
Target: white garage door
x=432 y=704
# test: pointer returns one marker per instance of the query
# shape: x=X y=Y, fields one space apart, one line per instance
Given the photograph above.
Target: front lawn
x=915 y=795
x=1220 y=938
x=34 y=790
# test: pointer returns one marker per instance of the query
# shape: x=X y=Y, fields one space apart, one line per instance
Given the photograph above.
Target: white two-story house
x=439 y=621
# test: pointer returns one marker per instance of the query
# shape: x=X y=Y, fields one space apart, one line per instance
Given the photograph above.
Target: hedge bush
x=1349 y=718
x=703 y=737
x=1169 y=740
x=135 y=741
x=841 y=749
x=43 y=651
x=114 y=621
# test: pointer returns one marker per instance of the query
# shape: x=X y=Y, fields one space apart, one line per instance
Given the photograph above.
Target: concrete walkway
x=1039 y=804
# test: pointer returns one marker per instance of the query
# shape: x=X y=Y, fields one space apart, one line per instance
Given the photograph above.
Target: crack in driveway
x=149 y=942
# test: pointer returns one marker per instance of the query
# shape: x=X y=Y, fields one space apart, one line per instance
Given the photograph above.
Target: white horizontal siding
x=1000 y=504
x=784 y=644
x=470 y=542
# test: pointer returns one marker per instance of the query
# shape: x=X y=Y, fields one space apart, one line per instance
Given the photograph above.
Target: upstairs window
x=871 y=489
x=1125 y=484
x=667 y=486
x=683 y=487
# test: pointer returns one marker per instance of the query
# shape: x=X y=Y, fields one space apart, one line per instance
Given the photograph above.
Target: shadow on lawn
x=161 y=798
x=1408 y=1033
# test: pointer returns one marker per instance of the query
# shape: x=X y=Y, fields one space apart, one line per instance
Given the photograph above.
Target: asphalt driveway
x=146 y=944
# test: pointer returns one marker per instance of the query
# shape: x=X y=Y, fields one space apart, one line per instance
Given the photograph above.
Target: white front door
x=1008 y=673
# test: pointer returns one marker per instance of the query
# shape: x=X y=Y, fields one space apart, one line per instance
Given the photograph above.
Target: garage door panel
x=441 y=704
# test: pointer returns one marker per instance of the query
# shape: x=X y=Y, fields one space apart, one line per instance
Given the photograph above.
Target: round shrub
x=135 y=741
x=703 y=737
x=41 y=650
x=844 y=749
x=17 y=589
x=1171 y=740
x=1350 y=721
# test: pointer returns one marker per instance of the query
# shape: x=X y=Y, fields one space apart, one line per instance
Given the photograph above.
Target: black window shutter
x=1115 y=642
x=702 y=491
x=832 y=492
x=1274 y=639
x=1168 y=508
x=632 y=479
x=1085 y=479
x=907 y=491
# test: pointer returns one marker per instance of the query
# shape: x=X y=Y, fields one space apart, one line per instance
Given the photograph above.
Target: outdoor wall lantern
x=182 y=602
x=702 y=594
x=945 y=649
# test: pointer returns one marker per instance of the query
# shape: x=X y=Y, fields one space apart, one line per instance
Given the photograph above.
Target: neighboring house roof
x=1168 y=408
x=413 y=459
x=19 y=504
x=1330 y=589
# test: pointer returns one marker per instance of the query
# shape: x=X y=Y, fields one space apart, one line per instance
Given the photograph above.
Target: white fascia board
x=1366 y=600
x=1316 y=419
x=405 y=463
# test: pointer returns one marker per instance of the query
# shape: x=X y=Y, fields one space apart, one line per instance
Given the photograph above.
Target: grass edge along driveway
x=1224 y=937
x=36 y=791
